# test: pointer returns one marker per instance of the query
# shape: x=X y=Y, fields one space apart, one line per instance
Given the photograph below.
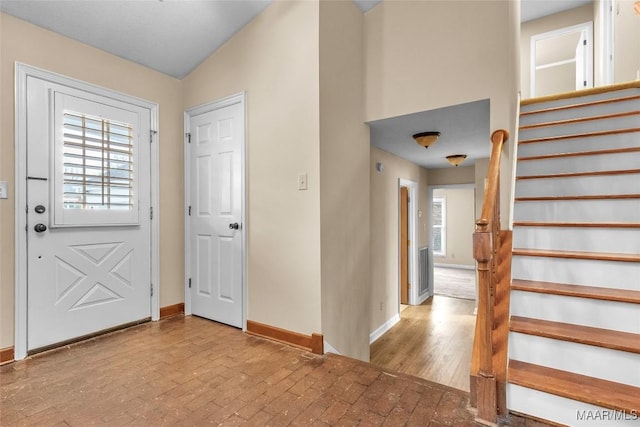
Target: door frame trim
x=238 y=98
x=22 y=72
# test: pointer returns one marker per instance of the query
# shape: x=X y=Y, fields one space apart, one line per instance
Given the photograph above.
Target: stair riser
x=611 y=124
x=626 y=210
x=582 y=112
x=580 y=100
x=593 y=163
x=624 y=317
x=604 y=363
x=604 y=274
x=618 y=240
x=579 y=186
x=559 y=409
x=606 y=142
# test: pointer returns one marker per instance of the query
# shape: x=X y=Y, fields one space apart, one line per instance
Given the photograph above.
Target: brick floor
x=190 y=371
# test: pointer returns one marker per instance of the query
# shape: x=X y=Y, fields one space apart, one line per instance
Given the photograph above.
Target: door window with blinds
x=95 y=163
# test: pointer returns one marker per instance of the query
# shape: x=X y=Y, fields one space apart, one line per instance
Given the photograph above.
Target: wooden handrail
x=486 y=367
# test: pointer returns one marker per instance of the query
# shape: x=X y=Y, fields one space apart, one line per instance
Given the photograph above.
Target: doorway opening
x=562 y=60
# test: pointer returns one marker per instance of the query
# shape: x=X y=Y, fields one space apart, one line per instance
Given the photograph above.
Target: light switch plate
x=302 y=181
x=4 y=190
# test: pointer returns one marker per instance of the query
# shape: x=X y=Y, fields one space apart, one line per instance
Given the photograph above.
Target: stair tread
x=578 y=135
x=578 y=174
x=606 y=338
x=579 y=120
x=577 y=224
x=601 y=256
x=581 y=291
x=599 y=392
x=580 y=153
x=585 y=92
x=585 y=197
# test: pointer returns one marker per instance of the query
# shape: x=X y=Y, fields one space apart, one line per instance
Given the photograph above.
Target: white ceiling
x=175 y=36
x=169 y=36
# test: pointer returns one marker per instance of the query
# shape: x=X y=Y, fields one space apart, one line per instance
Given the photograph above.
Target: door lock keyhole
x=40 y=209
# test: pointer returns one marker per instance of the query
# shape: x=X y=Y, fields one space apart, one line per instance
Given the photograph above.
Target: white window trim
x=443 y=227
x=22 y=72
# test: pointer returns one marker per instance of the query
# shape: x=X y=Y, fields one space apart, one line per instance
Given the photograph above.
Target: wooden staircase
x=574 y=329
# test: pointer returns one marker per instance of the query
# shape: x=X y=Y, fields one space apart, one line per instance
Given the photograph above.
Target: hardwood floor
x=432 y=341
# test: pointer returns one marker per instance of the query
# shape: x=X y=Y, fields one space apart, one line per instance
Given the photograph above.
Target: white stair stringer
x=605 y=363
x=577 y=222
x=565 y=411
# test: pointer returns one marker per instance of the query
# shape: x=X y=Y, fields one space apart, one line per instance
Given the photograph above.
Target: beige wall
x=275 y=59
x=422 y=55
x=460 y=225
x=23 y=42
x=344 y=181
x=385 y=239
x=626 y=42
x=564 y=19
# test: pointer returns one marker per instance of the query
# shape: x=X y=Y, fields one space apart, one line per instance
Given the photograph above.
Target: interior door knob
x=234 y=226
x=40 y=228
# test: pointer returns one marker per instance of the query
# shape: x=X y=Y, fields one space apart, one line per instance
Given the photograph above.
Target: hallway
x=190 y=371
x=432 y=341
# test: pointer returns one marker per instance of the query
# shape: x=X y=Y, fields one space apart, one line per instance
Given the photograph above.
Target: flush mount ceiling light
x=426 y=139
x=456 y=159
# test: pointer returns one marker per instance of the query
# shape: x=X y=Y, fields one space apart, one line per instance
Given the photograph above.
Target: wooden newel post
x=482 y=244
x=486 y=239
x=485 y=382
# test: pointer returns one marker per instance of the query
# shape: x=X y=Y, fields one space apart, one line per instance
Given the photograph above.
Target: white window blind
x=439 y=214
x=98 y=163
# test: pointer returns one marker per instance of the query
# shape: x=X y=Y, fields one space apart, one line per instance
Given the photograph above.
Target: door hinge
x=584 y=83
x=150 y=212
x=151 y=289
x=584 y=42
x=189 y=210
x=151 y=133
x=188 y=136
x=26 y=208
x=189 y=282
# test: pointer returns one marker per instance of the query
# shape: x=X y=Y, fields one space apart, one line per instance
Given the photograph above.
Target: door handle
x=40 y=228
x=234 y=226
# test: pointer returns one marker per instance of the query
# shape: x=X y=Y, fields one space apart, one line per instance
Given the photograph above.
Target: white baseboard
x=384 y=328
x=462 y=266
x=328 y=348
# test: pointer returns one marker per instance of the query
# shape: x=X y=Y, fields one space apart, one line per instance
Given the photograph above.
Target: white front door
x=88 y=223
x=215 y=213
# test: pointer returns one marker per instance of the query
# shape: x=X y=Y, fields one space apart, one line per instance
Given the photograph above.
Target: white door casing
x=215 y=224
x=93 y=269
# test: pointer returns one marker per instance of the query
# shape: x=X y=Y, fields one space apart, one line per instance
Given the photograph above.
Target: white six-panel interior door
x=215 y=224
